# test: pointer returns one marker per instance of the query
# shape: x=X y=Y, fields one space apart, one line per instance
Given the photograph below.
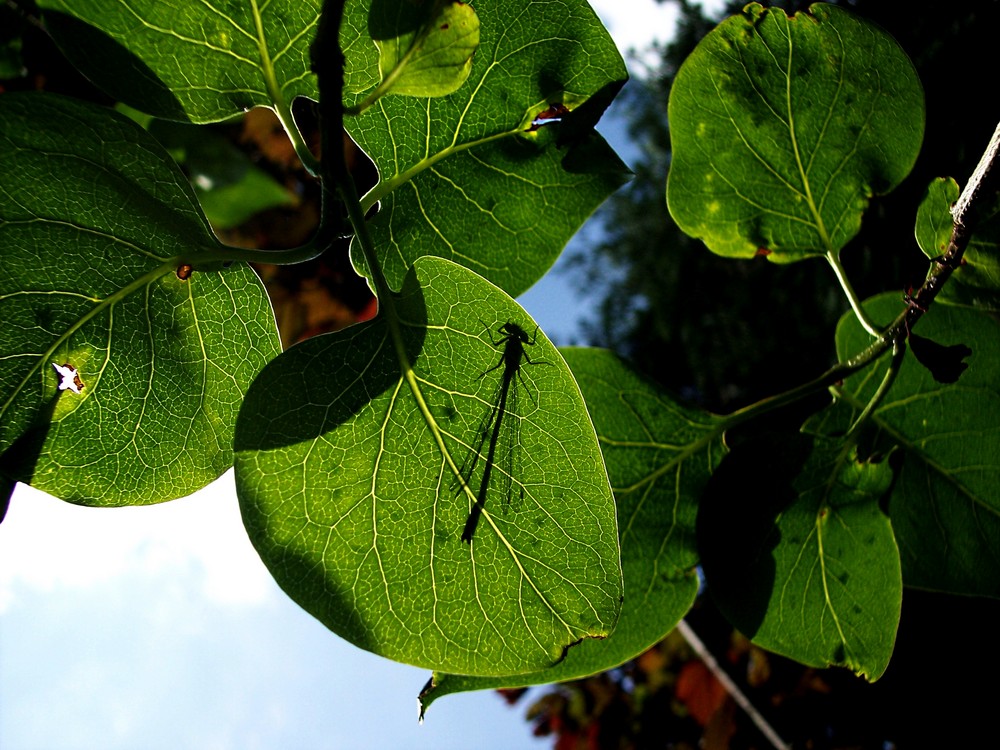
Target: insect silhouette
x=501 y=425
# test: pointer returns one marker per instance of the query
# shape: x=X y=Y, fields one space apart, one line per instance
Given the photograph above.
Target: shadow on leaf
x=737 y=531
x=323 y=382
x=18 y=462
x=113 y=67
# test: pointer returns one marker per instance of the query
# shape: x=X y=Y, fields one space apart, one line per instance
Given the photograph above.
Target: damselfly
x=501 y=425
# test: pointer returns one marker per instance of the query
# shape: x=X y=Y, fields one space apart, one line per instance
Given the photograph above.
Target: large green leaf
x=781 y=129
x=659 y=457
x=464 y=176
x=348 y=447
x=95 y=220
x=945 y=506
x=199 y=61
x=976 y=283
x=798 y=554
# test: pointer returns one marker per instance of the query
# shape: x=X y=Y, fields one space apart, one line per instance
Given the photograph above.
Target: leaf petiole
x=281 y=108
x=898 y=350
x=851 y=295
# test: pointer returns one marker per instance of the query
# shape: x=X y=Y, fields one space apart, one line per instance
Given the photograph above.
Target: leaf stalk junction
x=893 y=337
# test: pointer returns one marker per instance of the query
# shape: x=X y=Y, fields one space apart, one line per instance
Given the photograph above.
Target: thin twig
x=731 y=687
x=965 y=215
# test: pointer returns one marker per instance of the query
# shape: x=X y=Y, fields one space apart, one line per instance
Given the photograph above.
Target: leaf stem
x=397 y=70
x=328 y=64
x=281 y=107
x=229 y=254
x=832 y=376
x=852 y=296
x=387 y=185
x=898 y=350
x=964 y=218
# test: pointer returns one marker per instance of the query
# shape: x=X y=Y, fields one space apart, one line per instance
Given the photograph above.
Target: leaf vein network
x=191 y=40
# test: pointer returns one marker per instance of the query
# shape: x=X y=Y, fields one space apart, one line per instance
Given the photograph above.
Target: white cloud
x=47 y=545
x=635 y=24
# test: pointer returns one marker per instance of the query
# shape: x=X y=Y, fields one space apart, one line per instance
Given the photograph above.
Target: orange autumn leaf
x=699 y=691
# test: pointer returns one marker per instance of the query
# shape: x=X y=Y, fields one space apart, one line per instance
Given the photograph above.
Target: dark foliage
x=724 y=333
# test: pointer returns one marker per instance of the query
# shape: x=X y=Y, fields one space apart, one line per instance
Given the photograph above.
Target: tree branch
x=731 y=687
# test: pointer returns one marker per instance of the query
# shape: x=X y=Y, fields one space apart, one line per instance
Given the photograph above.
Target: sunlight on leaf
x=782 y=128
x=198 y=61
x=434 y=59
x=95 y=219
x=659 y=456
x=460 y=176
x=945 y=506
x=354 y=505
x=976 y=283
x=805 y=566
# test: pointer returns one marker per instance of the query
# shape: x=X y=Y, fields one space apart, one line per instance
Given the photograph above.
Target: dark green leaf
x=798 y=555
x=976 y=283
x=783 y=127
x=95 y=220
x=945 y=506
x=659 y=456
x=348 y=448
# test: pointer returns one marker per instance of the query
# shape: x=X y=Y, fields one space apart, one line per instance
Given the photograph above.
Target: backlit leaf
x=465 y=176
x=96 y=222
x=976 y=283
x=782 y=128
x=945 y=505
x=347 y=453
x=659 y=457
x=200 y=61
x=799 y=556
x=435 y=57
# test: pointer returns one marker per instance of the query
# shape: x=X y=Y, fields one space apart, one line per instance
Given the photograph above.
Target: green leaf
x=945 y=506
x=806 y=565
x=782 y=128
x=229 y=205
x=659 y=457
x=230 y=187
x=467 y=177
x=976 y=283
x=348 y=449
x=199 y=61
x=95 y=220
x=426 y=55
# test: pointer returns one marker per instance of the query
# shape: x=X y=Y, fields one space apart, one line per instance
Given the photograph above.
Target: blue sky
x=159 y=627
